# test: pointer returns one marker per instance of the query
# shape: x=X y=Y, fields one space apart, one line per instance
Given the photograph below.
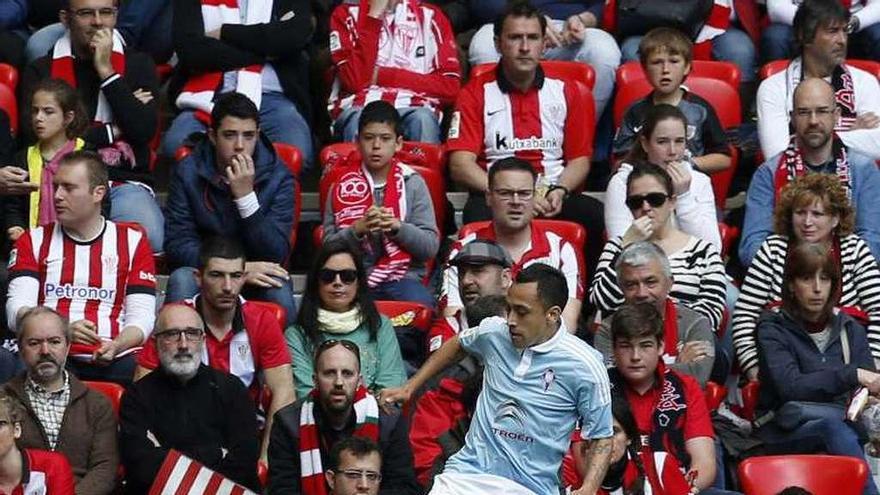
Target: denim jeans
x=182 y=285
x=598 y=50
x=134 y=203
x=419 y=124
x=405 y=289
x=146 y=25
x=280 y=121
x=42 y=40
x=732 y=46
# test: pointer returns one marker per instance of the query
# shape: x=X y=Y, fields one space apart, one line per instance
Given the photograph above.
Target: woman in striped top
x=697 y=270
x=814 y=208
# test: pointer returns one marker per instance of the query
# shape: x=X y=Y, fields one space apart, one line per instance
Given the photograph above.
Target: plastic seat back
x=112 y=391
x=554 y=68
x=9 y=105
x=776 y=66
x=712 y=69
x=819 y=474
x=9 y=76
x=417 y=315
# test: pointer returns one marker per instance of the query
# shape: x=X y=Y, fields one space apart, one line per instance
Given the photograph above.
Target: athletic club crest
x=548 y=377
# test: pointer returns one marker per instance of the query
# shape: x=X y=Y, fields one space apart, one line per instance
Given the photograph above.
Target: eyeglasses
x=359 y=474
x=655 y=199
x=328 y=275
x=93 y=13
x=507 y=195
x=806 y=113
x=191 y=334
x=330 y=343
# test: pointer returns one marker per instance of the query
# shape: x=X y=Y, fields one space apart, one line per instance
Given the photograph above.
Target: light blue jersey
x=529 y=405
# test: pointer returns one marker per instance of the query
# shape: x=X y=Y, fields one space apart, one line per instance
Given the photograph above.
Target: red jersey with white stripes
x=86 y=280
x=544 y=247
x=411 y=52
x=546 y=125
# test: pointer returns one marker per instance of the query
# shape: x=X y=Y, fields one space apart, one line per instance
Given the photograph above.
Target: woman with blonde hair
x=814 y=208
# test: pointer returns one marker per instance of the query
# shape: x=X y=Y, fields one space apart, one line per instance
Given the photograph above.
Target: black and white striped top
x=697 y=279
x=860 y=288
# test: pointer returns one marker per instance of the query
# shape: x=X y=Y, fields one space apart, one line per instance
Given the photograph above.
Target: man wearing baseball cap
x=483 y=269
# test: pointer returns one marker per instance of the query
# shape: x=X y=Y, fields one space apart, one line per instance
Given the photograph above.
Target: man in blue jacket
x=232 y=185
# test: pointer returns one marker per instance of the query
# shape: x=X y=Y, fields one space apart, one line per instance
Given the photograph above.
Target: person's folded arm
x=197 y=51
x=277 y=39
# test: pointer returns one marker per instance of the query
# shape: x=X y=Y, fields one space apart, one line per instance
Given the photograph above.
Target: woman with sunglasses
x=662 y=141
x=337 y=306
x=813 y=208
x=697 y=270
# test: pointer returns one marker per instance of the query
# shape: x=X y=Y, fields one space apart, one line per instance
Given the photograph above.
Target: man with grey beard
x=184 y=405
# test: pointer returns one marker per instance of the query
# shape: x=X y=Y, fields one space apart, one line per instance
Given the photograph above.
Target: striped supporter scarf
x=352 y=196
x=199 y=91
x=366 y=412
x=62 y=68
x=791 y=166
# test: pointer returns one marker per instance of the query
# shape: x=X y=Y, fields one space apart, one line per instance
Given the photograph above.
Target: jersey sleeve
x=580 y=123
x=22 y=259
x=273 y=348
x=441 y=331
x=594 y=400
x=466 y=130
x=714 y=139
x=142 y=276
x=697 y=423
x=479 y=340
x=148 y=357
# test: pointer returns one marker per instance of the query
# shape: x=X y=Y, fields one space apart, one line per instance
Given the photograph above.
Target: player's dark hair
x=815 y=14
x=511 y=164
x=520 y=8
x=220 y=247
x=647 y=169
x=95 y=167
x=552 y=287
x=655 y=115
x=236 y=105
x=637 y=320
x=357 y=446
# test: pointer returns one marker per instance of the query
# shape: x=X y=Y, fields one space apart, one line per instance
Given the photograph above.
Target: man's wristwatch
x=557 y=186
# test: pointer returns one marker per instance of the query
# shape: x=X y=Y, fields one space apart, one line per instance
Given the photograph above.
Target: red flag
x=180 y=475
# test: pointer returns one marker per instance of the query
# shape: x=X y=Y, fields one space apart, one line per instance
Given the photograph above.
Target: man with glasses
x=821 y=32
x=185 y=405
x=61 y=413
x=355 y=467
x=119 y=89
x=815 y=147
x=305 y=433
x=242 y=338
x=519 y=110
x=511 y=198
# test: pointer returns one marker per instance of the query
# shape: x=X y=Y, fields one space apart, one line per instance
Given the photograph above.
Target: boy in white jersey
x=538 y=380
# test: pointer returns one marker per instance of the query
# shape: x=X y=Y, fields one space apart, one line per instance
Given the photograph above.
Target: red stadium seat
x=724 y=71
x=113 y=391
x=775 y=66
x=729 y=233
x=10 y=106
x=819 y=474
x=750 y=399
x=724 y=99
x=279 y=312
x=9 y=76
x=554 y=68
x=292 y=157
x=421 y=316
x=425 y=154
x=570 y=231
x=263 y=473
x=714 y=394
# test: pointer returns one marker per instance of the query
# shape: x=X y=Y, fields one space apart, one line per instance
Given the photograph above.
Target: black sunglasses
x=330 y=343
x=655 y=199
x=328 y=275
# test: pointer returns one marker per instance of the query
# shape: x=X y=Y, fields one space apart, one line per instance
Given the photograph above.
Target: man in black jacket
x=304 y=432
x=258 y=53
x=205 y=414
x=118 y=87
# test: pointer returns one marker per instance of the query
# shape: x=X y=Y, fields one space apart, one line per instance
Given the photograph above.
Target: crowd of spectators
x=575 y=332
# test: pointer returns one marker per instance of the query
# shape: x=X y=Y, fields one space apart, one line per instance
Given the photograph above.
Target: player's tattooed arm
x=596 y=458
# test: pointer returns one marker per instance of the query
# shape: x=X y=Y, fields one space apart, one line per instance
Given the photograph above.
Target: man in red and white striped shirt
x=97 y=273
x=399 y=51
x=519 y=111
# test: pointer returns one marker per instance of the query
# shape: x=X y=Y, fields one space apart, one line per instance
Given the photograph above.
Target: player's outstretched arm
x=597 y=457
x=449 y=353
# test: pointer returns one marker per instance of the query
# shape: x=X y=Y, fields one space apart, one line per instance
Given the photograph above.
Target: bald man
x=814 y=148
x=185 y=405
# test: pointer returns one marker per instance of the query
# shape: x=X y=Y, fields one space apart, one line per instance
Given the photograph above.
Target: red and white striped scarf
x=717 y=23
x=791 y=166
x=199 y=91
x=366 y=413
x=352 y=196
x=62 y=68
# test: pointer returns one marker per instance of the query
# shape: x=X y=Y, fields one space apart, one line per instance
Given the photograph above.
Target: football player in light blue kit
x=538 y=381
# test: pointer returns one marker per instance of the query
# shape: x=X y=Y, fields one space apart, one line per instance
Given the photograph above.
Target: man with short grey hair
x=62 y=414
x=644 y=276
x=184 y=405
